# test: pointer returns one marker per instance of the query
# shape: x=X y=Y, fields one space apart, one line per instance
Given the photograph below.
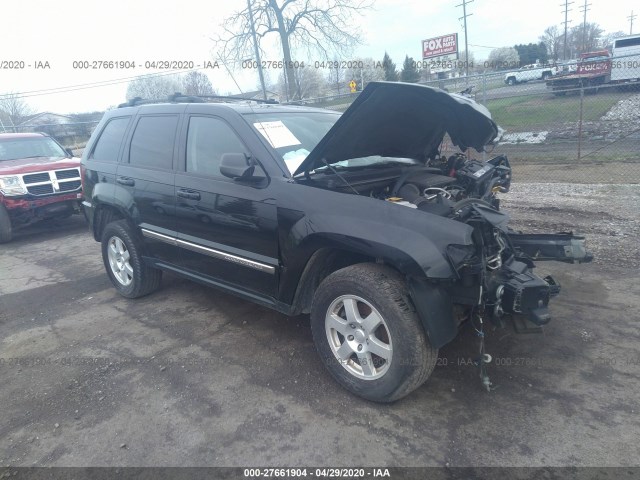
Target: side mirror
x=236 y=166
x=69 y=152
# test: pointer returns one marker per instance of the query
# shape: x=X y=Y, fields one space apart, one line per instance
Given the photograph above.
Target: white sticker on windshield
x=277 y=134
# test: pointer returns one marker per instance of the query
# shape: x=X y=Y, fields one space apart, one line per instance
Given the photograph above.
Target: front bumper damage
x=502 y=268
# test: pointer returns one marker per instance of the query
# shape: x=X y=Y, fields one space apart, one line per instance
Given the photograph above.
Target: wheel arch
x=103 y=215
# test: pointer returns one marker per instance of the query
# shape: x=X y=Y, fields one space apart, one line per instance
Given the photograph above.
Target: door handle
x=190 y=194
x=126 y=181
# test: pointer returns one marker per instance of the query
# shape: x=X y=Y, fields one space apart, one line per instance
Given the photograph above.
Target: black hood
x=404 y=120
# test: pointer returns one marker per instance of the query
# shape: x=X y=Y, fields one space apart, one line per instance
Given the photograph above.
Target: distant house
x=63 y=127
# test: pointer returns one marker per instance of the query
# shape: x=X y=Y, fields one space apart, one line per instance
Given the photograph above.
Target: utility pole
x=630 y=18
x=566 y=25
x=466 y=41
x=257 y=50
x=584 y=9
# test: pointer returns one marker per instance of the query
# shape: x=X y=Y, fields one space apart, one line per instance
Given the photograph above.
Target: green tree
x=410 y=72
x=532 y=53
x=389 y=68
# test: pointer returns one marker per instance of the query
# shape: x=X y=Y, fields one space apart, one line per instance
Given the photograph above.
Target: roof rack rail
x=270 y=101
x=178 y=97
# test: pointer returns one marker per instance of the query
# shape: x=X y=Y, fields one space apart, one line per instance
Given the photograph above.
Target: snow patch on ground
x=524 y=137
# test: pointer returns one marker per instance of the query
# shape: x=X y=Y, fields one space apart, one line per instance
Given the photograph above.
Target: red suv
x=38 y=179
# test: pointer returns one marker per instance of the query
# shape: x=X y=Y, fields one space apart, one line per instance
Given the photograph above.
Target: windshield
x=28 y=147
x=293 y=134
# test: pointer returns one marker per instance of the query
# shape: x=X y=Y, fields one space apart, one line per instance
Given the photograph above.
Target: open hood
x=404 y=120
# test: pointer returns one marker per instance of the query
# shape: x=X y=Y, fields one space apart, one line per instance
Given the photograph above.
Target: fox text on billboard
x=440 y=46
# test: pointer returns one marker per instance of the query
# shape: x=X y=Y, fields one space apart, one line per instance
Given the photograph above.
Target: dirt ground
x=191 y=376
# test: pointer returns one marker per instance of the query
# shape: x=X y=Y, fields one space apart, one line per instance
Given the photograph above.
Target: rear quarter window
x=108 y=144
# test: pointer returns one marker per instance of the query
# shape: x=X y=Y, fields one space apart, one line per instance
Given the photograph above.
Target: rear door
x=147 y=176
x=226 y=229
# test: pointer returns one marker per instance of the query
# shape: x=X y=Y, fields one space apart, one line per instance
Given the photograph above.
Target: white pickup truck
x=528 y=73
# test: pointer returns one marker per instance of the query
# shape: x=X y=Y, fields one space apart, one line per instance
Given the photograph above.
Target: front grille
x=46 y=189
x=40 y=183
x=36 y=177
x=69 y=186
x=62 y=174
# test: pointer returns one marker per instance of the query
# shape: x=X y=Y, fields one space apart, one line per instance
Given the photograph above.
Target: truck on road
x=595 y=69
x=528 y=73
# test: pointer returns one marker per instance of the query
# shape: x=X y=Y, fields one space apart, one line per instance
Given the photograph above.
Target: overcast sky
x=63 y=31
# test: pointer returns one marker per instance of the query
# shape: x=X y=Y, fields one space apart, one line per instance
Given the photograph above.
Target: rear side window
x=208 y=139
x=108 y=146
x=628 y=42
x=152 y=142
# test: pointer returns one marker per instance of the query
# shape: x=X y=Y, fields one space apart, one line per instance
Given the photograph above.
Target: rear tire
x=6 y=231
x=511 y=81
x=368 y=333
x=122 y=257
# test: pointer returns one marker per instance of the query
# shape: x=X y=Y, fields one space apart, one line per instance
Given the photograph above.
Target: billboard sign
x=440 y=46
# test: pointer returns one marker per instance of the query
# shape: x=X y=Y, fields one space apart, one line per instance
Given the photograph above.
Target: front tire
x=6 y=231
x=122 y=257
x=511 y=81
x=368 y=333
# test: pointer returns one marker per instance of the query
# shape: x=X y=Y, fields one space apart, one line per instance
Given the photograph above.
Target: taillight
x=82 y=176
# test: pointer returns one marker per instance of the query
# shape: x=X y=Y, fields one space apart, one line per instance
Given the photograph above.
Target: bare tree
x=363 y=71
x=15 y=107
x=308 y=83
x=321 y=26
x=585 y=38
x=461 y=65
x=154 y=87
x=197 y=83
x=336 y=77
x=607 y=40
x=553 y=40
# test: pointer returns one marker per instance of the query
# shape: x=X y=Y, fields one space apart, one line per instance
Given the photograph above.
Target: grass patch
x=527 y=113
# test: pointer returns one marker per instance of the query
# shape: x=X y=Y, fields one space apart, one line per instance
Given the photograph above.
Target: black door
x=148 y=176
x=226 y=230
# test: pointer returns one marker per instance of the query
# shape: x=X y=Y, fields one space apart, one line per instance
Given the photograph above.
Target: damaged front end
x=500 y=267
x=503 y=263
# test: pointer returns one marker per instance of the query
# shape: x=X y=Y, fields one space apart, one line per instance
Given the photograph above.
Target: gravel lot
x=609 y=215
x=190 y=376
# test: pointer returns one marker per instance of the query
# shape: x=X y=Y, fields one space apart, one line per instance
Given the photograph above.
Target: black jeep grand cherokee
x=355 y=218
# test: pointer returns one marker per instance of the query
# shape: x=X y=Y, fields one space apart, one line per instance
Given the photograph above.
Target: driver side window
x=208 y=139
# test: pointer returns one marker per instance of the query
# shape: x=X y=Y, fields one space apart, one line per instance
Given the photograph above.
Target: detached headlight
x=12 y=186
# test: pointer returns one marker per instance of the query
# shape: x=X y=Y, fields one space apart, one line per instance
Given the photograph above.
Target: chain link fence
x=73 y=135
x=589 y=133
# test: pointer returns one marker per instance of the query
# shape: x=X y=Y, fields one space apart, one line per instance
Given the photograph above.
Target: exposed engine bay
x=495 y=276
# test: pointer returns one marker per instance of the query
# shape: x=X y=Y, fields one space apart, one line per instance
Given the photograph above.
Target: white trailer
x=625 y=61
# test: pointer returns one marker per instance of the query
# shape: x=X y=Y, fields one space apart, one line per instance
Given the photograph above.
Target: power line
x=630 y=18
x=482 y=46
x=584 y=9
x=566 y=24
x=84 y=86
x=466 y=44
